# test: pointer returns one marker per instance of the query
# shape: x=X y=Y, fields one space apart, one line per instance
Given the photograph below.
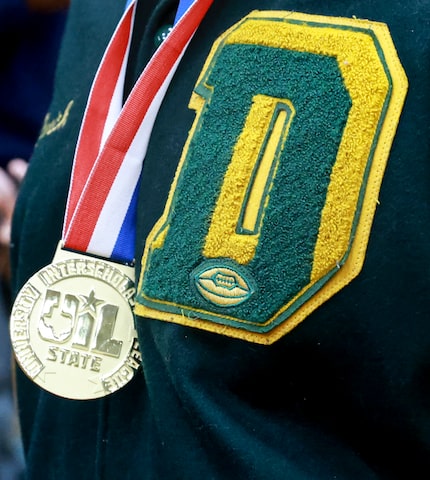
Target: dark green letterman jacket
x=282 y=306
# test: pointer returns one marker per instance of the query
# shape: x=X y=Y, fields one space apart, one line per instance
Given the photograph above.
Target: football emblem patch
x=271 y=208
x=222 y=285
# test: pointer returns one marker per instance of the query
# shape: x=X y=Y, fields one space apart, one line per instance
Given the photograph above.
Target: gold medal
x=72 y=326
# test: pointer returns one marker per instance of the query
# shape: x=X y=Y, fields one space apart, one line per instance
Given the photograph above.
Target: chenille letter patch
x=295 y=116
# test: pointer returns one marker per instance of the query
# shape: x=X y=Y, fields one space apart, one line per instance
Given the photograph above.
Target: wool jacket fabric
x=343 y=395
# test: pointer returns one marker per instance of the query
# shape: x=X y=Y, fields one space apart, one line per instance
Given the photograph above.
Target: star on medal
x=90 y=303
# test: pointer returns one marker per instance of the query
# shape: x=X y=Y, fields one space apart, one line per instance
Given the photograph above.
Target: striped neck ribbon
x=101 y=209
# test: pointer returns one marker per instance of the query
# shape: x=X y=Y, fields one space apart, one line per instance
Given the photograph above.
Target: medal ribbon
x=112 y=143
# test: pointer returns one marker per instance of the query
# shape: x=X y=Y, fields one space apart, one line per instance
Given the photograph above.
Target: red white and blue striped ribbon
x=101 y=208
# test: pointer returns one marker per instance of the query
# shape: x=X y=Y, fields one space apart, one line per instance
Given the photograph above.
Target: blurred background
x=30 y=36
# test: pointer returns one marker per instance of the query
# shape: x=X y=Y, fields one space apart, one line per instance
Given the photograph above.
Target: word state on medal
x=72 y=327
